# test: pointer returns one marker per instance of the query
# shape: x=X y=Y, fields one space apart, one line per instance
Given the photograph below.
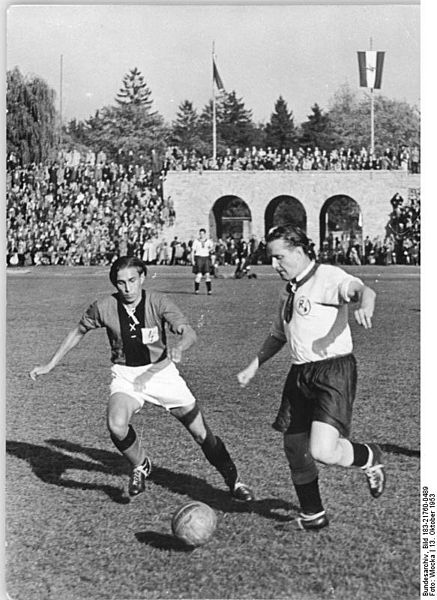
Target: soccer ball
x=194 y=523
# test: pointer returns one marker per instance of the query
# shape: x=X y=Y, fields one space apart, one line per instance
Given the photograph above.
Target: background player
x=144 y=370
x=201 y=253
x=318 y=395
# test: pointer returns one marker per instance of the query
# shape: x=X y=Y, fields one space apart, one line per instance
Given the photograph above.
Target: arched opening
x=232 y=218
x=340 y=224
x=285 y=209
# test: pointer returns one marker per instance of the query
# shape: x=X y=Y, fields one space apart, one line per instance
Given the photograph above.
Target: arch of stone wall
x=324 y=210
x=294 y=203
x=194 y=193
x=218 y=221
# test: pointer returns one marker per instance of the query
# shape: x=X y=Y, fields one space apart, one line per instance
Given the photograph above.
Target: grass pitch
x=72 y=533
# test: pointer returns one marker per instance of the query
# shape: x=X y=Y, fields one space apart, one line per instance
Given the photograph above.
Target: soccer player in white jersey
x=316 y=408
x=201 y=253
x=143 y=370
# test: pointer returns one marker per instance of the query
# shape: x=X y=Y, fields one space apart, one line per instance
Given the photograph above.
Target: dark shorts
x=202 y=265
x=319 y=391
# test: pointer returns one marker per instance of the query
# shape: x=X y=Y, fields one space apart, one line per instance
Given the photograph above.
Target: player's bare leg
x=208 y=284
x=328 y=447
x=120 y=410
x=197 y=281
x=214 y=449
x=304 y=474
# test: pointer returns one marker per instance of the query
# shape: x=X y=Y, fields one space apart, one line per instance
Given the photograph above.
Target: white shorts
x=157 y=383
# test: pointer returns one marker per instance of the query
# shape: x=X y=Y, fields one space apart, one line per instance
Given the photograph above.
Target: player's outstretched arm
x=70 y=341
x=246 y=375
x=270 y=347
x=365 y=297
x=187 y=338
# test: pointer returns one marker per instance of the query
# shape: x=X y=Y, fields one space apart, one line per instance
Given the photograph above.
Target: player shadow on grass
x=49 y=465
x=395 y=449
x=186 y=485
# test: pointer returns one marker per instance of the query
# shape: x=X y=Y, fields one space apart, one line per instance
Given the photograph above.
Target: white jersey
x=319 y=328
x=202 y=247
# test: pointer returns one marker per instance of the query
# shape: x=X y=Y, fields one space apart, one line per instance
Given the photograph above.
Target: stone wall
x=195 y=193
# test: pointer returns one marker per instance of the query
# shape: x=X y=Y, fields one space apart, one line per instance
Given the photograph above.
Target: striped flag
x=370 y=65
x=216 y=76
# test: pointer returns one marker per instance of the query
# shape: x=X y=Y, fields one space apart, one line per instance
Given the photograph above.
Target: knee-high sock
x=303 y=472
x=130 y=447
x=216 y=453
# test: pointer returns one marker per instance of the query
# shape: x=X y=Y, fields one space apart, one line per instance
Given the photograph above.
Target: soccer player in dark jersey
x=144 y=370
x=316 y=409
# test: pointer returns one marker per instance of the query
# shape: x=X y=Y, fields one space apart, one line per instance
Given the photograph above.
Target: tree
x=134 y=91
x=31 y=118
x=130 y=127
x=185 y=130
x=236 y=127
x=281 y=131
x=395 y=122
x=316 y=131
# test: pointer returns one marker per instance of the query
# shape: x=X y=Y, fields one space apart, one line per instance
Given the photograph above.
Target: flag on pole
x=370 y=64
x=216 y=76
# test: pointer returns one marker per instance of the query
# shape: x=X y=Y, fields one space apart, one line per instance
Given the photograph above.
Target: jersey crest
x=303 y=305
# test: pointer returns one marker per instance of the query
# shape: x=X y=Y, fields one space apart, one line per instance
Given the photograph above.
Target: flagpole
x=372 y=116
x=372 y=123
x=214 y=124
x=60 y=100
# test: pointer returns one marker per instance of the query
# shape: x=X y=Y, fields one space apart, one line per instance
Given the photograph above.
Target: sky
x=302 y=52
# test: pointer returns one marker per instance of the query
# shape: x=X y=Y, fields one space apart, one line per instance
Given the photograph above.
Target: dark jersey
x=137 y=338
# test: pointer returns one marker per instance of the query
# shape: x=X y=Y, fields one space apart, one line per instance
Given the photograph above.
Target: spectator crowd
x=301 y=159
x=81 y=210
x=85 y=210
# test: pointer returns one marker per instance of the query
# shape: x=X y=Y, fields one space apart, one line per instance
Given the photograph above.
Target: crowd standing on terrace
x=300 y=159
x=83 y=209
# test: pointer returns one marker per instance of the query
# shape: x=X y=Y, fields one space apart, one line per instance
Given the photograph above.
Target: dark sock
x=309 y=497
x=361 y=454
x=129 y=446
x=208 y=286
x=216 y=453
x=196 y=286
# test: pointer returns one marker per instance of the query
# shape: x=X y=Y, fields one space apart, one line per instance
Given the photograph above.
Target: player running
x=316 y=408
x=143 y=370
x=201 y=253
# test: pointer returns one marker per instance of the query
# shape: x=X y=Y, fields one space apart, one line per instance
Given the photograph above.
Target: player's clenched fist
x=248 y=373
x=43 y=370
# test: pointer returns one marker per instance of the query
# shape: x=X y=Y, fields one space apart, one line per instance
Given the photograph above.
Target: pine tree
x=316 y=131
x=185 y=129
x=135 y=91
x=281 y=132
x=236 y=128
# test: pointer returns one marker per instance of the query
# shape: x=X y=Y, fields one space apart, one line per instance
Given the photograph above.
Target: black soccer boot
x=375 y=473
x=311 y=522
x=137 y=480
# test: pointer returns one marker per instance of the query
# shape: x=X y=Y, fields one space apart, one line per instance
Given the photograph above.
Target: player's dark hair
x=292 y=236
x=126 y=262
x=204 y=230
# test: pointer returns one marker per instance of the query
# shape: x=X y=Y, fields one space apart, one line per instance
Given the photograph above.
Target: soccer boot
x=311 y=522
x=240 y=491
x=375 y=472
x=137 y=481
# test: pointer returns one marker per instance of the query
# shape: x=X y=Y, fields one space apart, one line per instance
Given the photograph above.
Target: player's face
x=129 y=283
x=288 y=261
x=202 y=235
